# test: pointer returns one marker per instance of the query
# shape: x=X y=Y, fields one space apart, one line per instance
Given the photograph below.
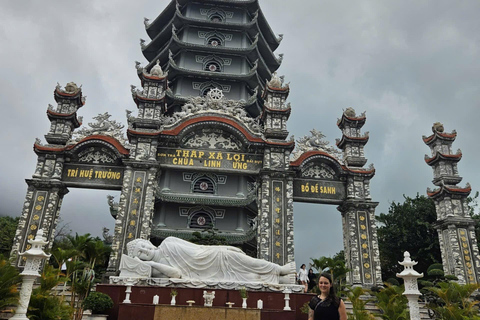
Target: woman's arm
x=342 y=311
x=310 y=314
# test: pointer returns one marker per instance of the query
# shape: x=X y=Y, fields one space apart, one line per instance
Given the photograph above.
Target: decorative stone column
x=455 y=227
x=410 y=276
x=135 y=209
x=275 y=236
x=34 y=257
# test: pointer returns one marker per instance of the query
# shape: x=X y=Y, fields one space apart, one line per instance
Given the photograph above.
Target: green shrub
x=98 y=302
x=435 y=266
x=393 y=281
x=435 y=273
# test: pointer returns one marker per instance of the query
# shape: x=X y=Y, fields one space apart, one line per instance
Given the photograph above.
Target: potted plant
x=173 y=294
x=244 y=296
x=99 y=303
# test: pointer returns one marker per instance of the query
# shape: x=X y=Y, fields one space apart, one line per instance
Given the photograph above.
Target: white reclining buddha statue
x=177 y=258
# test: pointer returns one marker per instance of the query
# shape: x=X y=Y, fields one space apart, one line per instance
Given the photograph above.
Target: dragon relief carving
x=103 y=126
x=215 y=101
x=315 y=142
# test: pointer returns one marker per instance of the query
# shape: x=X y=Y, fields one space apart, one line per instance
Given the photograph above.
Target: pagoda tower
x=358 y=210
x=208 y=72
x=455 y=227
x=213 y=44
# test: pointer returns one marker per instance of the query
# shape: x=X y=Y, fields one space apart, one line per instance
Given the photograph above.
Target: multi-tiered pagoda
x=213 y=44
x=455 y=227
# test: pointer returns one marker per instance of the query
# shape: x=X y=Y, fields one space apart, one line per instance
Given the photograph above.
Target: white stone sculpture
x=34 y=257
x=177 y=258
x=208 y=298
x=410 y=276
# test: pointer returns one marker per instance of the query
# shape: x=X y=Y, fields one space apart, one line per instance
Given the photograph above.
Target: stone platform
x=142 y=307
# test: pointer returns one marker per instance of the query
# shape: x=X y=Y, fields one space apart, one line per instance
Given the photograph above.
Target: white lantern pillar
x=34 y=257
x=410 y=276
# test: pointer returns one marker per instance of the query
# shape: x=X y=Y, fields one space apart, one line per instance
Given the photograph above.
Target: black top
x=324 y=309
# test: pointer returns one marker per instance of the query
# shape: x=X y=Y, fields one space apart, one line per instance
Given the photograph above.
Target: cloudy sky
x=408 y=64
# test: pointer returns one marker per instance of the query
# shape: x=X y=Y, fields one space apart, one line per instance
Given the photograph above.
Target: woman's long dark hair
x=331 y=294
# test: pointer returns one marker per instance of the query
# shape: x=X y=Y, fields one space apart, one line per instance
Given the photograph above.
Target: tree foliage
x=408 y=226
x=9 y=280
x=44 y=304
x=454 y=301
x=392 y=303
x=8 y=226
x=335 y=266
x=357 y=296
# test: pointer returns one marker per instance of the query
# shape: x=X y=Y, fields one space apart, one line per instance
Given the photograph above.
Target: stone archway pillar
x=40 y=211
x=360 y=243
x=135 y=208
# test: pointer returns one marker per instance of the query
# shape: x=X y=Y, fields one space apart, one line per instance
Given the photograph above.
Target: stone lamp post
x=410 y=276
x=34 y=257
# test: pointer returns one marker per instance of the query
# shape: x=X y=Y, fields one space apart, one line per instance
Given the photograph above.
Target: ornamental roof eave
x=206 y=199
x=450 y=190
x=270 y=36
x=161 y=38
x=76 y=96
x=370 y=172
x=160 y=47
x=359 y=121
x=251 y=5
x=247 y=27
x=52 y=115
x=347 y=139
x=177 y=128
x=38 y=148
x=251 y=78
x=145 y=77
x=450 y=137
x=440 y=156
x=176 y=46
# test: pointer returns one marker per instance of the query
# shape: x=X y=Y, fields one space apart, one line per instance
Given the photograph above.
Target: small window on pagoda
x=213 y=66
x=201 y=220
x=216 y=15
x=216 y=18
x=215 y=41
x=204 y=185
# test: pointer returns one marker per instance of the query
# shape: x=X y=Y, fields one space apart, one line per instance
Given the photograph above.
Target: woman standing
x=326 y=306
x=303 y=277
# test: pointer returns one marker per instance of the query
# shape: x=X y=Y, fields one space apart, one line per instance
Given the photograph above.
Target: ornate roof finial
x=350 y=112
x=142 y=44
x=438 y=127
x=157 y=71
x=145 y=22
x=71 y=87
x=275 y=82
